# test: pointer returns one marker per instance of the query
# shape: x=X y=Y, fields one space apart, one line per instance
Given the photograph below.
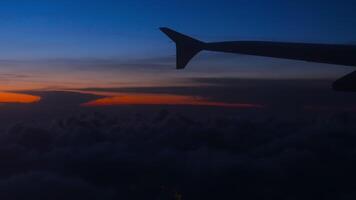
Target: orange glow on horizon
x=7 y=97
x=154 y=99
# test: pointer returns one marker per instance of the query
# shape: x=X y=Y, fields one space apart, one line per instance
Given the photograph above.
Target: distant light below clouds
x=163 y=99
x=6 y=97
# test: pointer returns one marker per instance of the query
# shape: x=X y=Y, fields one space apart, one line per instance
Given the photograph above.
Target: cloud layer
x=162 y=154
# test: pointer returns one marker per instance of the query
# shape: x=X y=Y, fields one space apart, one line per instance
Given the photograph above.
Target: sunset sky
x=93 y=107
x=76 y=45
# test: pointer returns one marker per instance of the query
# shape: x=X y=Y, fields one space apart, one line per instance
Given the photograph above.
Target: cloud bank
x=162 y=154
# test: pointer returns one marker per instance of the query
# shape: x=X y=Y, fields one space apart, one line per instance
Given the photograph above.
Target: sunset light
x=161 y=99
x=6 y=97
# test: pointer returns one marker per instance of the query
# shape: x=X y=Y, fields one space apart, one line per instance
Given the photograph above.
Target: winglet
x=186 y=47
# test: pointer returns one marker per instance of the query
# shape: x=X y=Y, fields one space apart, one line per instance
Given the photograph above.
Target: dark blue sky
x=56 y=44
x=32 y=29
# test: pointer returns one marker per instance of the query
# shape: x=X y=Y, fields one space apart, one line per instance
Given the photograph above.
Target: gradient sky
x=80 y=44
x=105 y=28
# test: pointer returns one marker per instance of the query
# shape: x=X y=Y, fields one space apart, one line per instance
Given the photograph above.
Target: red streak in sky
x=153 y=99
x=6 y=97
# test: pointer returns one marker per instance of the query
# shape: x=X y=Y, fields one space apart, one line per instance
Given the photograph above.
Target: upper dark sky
x=108 y=28
x=107 y=43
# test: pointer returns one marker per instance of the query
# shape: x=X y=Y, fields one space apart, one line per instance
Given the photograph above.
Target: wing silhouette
x=339 y=54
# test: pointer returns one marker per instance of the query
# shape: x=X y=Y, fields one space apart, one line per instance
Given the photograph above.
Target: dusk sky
x=96 y=101
x=56 y=45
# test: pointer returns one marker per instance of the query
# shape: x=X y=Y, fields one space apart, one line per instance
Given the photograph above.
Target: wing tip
x=186 y=46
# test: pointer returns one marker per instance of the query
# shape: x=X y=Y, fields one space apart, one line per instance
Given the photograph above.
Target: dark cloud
x=197 y=153
x=7 y=77
x=62 y=98
x=10 y=76
x=94 y=63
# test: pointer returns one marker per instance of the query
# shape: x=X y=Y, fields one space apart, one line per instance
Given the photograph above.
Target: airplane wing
x=187 y=47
